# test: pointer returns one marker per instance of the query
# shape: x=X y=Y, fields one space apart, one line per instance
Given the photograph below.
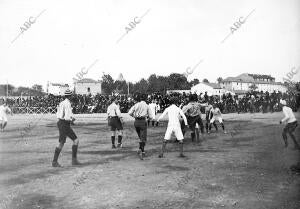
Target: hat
x=68 y=92
x=283 y=102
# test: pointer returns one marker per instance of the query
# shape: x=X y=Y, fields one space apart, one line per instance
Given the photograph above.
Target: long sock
x=181 y=148
x=193 y=136
x=153 y=123
x=119 y=139
x=113 y=140
x=148 y=122
x=295 y=141
x=74 y=151
x=209 y=128
x=284 y=136
x=223 y=127
x=163 y=148
x=56 y=154
x=143 y=146
x=215 y=125
x=197 y=135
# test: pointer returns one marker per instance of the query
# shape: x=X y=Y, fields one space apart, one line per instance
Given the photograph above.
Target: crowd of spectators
x=250 y=102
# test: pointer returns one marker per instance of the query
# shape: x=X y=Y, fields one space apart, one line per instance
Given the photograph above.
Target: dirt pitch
x=248 y=168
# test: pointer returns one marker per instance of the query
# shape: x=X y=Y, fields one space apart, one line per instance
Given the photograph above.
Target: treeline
x=154 y=83
x=35 y=90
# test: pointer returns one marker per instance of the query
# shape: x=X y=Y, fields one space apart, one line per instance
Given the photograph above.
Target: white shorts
x=176 y=130
x=3 y=118
x=216 y=118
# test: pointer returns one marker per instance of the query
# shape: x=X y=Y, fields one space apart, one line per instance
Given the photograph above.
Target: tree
x=7 y=88
x=140 y=87
x=37 y=87
x=108 y=84
x=178 y=82
x=121 y=86
x=205 y=80
x=220 y=79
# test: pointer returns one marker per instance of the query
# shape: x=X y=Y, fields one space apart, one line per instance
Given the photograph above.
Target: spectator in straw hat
x=65 y=119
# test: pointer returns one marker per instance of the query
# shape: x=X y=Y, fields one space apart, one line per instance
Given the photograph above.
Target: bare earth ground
x=246 y=168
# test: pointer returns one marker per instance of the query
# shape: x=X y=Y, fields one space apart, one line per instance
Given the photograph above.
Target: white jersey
x=153 y=108
x=289 y=116
x=216 y=112
x=3 y=112
x=64 y=110
x=173 y=113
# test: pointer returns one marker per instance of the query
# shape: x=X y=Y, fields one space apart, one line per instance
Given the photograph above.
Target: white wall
x=82 y=88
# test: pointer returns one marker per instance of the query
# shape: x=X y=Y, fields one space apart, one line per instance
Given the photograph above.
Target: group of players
x=179 y=120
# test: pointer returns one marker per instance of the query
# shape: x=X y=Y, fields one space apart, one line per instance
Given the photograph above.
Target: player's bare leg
x=56 y=154
x=2 y=125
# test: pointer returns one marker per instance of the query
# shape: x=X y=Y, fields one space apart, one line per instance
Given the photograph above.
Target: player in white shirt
x=291 y=124
x=216 y=115
x=65 y=119
x=174 y=113
x=154 y=109
x=4 y=110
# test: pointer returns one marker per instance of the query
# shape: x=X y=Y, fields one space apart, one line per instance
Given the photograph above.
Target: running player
x=216 y=115
x=65 y=119
x=115 y=118
x=141 y=111
x=193 y=112
x=4 y=110
x=291 y=124
x=208 y=117
x=174 y=113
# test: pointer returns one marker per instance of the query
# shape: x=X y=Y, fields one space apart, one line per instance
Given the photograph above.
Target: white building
x=87 y=86
x=210 y=88
x=57 y=88
x=244 y=81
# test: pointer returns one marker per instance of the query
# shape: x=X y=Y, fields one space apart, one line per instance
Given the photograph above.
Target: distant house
x=210 y=88
x=57 y=88
x=244 y=81
x=87 y=86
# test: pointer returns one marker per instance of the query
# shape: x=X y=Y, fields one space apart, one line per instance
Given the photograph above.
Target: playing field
x=247 y=168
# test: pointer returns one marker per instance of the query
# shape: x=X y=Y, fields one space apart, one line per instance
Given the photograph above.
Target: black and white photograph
x=150 y=104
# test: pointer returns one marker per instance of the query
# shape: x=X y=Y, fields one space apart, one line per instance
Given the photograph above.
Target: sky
x=168 y=37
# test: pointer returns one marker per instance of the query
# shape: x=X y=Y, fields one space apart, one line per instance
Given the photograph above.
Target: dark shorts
x=115 y=124
x=141 y=129
x=193 y=120
x=65 y=131
x=290 y=127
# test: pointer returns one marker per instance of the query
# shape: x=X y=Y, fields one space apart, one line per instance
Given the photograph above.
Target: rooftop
x=252 y=78
x=87 y=80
